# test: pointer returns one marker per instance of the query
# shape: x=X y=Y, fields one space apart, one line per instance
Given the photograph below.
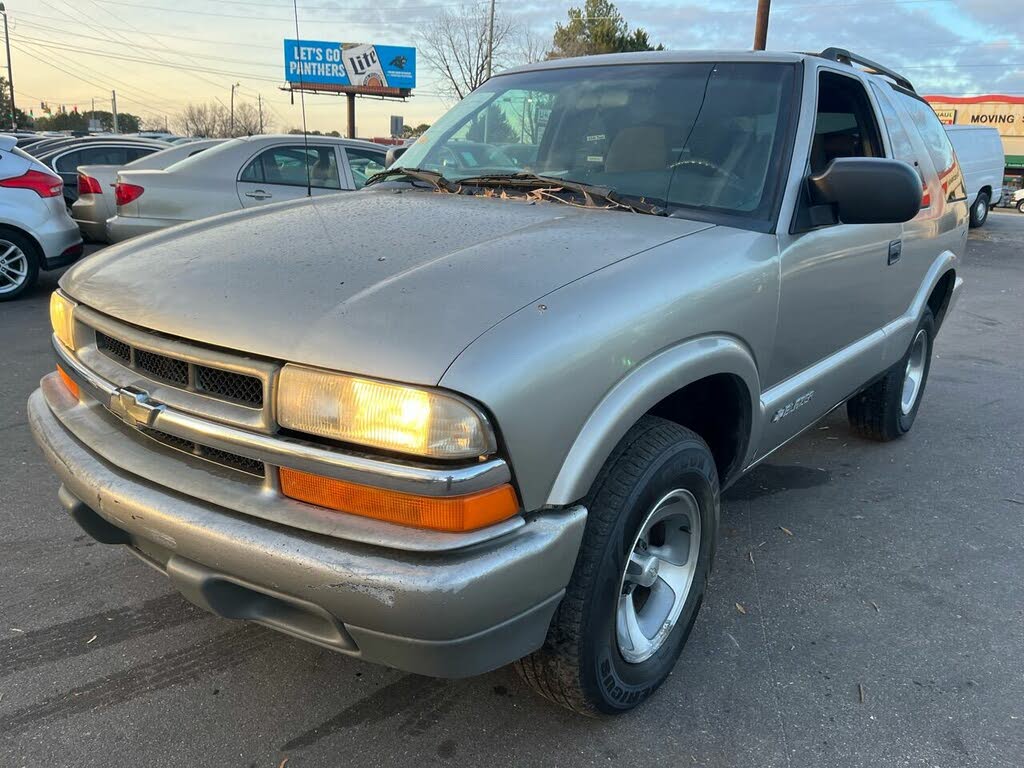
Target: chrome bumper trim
x=287 y=452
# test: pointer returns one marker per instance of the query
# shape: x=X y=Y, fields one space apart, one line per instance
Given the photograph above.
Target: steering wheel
x=701 y=162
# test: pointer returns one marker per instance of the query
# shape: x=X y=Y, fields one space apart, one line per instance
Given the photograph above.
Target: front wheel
x=1020 y=206
x=887 y=409
x=640 y=575
x=979 y=211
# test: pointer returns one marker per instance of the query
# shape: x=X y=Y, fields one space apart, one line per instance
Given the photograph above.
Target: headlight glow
x=62 y=318
x=380 y=414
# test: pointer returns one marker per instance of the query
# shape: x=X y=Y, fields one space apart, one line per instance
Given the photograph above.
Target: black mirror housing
x=393 y=154
x=868 y=190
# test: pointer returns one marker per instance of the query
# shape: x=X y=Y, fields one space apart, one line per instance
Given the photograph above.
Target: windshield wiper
x=420 y=174
x=525 y=179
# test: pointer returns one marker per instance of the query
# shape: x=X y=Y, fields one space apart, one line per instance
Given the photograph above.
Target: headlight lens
x=381 y=415
x=62 y=318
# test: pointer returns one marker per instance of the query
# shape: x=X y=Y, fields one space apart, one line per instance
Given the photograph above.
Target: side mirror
x=393 y=154
x=868 y=190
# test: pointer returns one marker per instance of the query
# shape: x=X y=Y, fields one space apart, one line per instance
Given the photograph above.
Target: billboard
x=350 y=67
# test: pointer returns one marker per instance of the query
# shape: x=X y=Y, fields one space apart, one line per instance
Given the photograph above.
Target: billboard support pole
x=351 y=115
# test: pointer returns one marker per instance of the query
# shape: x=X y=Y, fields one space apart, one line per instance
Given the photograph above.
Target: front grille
x=215 y=455
x=162 y=367
x=225 y=385
x=247 y=390
x=114 y=348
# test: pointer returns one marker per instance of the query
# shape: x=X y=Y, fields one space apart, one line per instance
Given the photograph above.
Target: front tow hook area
x=231 y=598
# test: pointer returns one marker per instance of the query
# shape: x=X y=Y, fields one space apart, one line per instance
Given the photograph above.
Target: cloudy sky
x=162 y=54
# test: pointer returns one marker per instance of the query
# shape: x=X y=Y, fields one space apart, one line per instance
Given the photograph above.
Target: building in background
x=1004 y=113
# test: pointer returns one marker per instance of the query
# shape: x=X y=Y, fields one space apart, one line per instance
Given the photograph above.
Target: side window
x=134 y=153
x=103 y=156
x=845 y=124
x=902 y=148
x=364 y=163
x=287 y=165
x=69 y=162
x=937 y=143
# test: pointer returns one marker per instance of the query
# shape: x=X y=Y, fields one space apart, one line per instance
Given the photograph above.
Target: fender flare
x=640 y=390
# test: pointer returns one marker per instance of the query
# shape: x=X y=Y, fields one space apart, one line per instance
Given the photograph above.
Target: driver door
x=835 y=280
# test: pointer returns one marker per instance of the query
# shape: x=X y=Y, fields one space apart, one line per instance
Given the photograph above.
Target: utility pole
x=232 y=130
x=490 y=41
x=113 y=108
x=10 y=74
x=259 y=100
x=761 y=26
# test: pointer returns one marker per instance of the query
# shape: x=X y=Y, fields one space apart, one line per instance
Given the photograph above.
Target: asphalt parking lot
x=881 y=586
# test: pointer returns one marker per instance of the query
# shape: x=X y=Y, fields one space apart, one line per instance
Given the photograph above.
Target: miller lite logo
x=363 y=66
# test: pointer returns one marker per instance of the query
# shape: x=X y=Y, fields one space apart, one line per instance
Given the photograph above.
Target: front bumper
x=448 y=614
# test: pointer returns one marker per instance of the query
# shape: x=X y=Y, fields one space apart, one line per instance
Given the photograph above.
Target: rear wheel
x=19 y=264
x=640 y=575
x=887 y=409
x=979 y=211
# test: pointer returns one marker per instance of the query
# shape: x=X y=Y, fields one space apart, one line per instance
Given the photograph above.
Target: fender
x=898 y=332
x=643 y=388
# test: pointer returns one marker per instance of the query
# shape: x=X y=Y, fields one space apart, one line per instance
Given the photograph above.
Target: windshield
x=697 y=135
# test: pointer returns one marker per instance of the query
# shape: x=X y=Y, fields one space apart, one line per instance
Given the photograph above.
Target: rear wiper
x=588 y=191
x=420 y=174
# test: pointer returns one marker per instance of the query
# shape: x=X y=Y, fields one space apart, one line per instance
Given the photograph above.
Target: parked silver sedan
x=95 y=203
x=241 y=173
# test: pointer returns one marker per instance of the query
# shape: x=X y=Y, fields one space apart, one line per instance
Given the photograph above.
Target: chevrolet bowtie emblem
x=133 y=407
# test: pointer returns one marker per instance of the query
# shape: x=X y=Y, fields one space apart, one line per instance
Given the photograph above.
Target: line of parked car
x=58 y=191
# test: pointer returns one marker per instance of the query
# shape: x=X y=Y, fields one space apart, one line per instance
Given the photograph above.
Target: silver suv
x=483 y=410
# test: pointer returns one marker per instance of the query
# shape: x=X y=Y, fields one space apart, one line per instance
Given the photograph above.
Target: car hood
x=388 y=283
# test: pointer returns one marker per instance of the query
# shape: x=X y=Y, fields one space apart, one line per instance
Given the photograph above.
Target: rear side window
x=937 y=143
x=902 y=148
x=69 y=162
x=845 y=123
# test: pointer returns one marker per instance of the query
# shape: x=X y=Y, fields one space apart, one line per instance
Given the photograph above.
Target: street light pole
x=490 y=41
x=10 y=75
x=761 y=25
x=232 y=129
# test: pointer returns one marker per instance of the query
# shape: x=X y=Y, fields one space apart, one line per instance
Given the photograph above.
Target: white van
x=980 y=152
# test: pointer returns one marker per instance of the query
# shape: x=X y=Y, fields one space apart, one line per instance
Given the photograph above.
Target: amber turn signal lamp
x=68 y=382
x=440 y=513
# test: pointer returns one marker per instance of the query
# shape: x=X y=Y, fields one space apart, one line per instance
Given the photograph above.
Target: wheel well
x=27 y=236
x=718 y=409
x=987 y=190
x=939 y=299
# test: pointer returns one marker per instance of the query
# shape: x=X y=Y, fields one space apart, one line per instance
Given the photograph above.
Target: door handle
x=895 y=251
x=258 y=194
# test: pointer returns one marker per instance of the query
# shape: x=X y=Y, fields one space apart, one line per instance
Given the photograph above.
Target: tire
x=880 y=412
x=19 y=264
x=1020 y=206
x=582 y=664
x=979 y=211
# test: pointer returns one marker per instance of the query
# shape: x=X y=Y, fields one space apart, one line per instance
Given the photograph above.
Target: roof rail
x=844 y=56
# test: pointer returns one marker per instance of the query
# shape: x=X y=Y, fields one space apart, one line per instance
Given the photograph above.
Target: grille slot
x=162 y=367
x=215 y=455
x=239 y=388
x=114 y=348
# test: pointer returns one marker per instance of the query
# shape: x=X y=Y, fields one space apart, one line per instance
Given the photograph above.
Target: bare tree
x=247 y=120
x=455 y=45
x=213 y=120
x=201 y=120
x=529 y=47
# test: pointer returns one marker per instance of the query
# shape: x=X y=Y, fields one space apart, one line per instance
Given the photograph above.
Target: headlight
x=62 y=318
x=381 y=415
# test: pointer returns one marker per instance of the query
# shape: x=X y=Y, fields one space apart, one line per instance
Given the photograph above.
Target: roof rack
x=844 y=56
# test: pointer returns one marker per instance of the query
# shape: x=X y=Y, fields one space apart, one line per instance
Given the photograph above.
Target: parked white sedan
x=95 y=203
x=240 y=173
